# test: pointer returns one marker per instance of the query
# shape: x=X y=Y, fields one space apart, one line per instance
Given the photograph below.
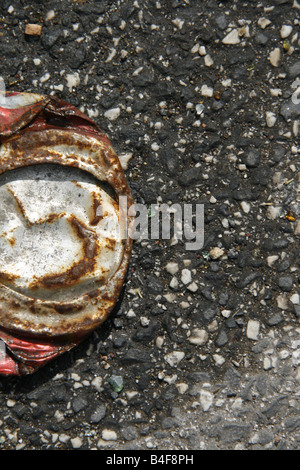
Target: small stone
x=285 y=283
x=98 y=414
x=79 y=404
x=174 y=283
x=252 y=330
x=76 y=443
x=286 y=30
x=33 y=29
x=275 y=57
x=113 y=113
x=198 y=337
x=252 y=159
x=271 y=260
x=261 y=38
x=221 y=21
x=172 y=267
x=125 y=159
x=270 y=118
x=273 y=212
x=50 y=15
x=222 y=339
x=295 y=299
x=219 y=360
x=267 y=363
x=263 y=22
x=297 y=228
x=182 y=388
x=206 y=399
x=97 y=383
x=232 y=37
x=73 y=80
x=199 y=108
x=207 y=91
x=186 y=276
x=282 y=302
x=275 y=319
x=174 y=358
x=294 y=70
x=109 y=435
x=117 y=383
x=192 y=287
x=245 y=207
x=10 y=403
x=216 y=252
x=208 y=61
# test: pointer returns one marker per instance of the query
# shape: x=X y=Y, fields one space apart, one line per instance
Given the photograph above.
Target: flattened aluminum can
x=65 y=238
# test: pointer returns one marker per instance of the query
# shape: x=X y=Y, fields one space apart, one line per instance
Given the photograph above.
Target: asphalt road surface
x=200 y=100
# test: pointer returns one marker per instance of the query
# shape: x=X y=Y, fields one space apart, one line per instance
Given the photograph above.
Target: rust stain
x=79 y=269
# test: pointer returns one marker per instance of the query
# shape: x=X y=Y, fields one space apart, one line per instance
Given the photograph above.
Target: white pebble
x=174 y=283
x=195 y=48
x=219 y=360
x=202 y=50
x=270 y=118
x=286 y=30
x=252 y=331
x=178 y=23
x=76 y=443
x=10 y=403
x=45 y=77
x=186 y=276
x=73 y=80
x=125 y=159
x=192 y=287
x=282 y=302
x=208 y=61
x=232 y=37
x=245 y=207
x=182 y=388
x=273 y=212
x=50 y=15
x=144 y=321
x=216 y=252
x=155 y=147
x=198 y=337
x=206 y=399
x=207 y=91
x=113 y=113
x=275 y=56
x=109 y=435
x=267 y=363
x=271 y=260
x=295 y=299
x=172 y=267
x=263 y=22
x=174 y=358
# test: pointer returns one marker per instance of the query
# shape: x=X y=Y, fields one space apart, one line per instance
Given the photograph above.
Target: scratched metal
x=64 y=238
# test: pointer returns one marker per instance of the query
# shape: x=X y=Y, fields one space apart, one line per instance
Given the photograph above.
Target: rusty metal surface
x=64 y=253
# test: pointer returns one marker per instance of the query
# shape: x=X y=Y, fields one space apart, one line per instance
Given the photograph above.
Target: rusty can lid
x=64 y=240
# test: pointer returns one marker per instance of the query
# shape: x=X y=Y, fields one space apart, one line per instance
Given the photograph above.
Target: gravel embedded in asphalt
x=200 y=98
